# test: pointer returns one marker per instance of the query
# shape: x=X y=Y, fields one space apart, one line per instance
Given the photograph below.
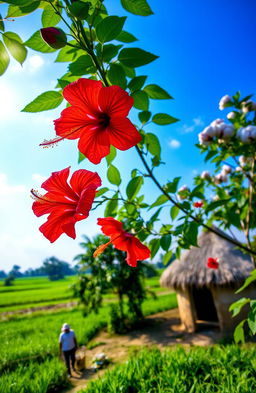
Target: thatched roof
x=191 y=270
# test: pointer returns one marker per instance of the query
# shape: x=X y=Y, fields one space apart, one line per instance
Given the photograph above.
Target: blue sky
x=206 y=50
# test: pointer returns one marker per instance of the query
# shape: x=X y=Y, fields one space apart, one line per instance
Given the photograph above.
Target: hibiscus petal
x=52 y=229
x=110 y=226
x=82 y=179
x=57 y=184
x=44 y=207
x=83 y=93
x=131 y=258
x=85 y=201
x=71 y=123
x=141 y=251
x=122 y=133
x=115 y=101
x=94 y=144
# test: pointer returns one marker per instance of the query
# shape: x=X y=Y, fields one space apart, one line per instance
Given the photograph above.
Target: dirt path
x=162 y=330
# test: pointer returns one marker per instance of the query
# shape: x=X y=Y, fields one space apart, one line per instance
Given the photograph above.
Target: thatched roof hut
x=205 y=294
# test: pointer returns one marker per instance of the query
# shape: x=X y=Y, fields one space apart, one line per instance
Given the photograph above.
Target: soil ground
x=162 y=330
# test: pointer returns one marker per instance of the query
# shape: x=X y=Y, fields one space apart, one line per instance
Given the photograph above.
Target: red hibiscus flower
x=98 y=117
x=213 y=263
x=122 y=240
x=198 y=204
x=66 y=203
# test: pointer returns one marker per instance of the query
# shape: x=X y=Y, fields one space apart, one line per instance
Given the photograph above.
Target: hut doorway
x=204 y=305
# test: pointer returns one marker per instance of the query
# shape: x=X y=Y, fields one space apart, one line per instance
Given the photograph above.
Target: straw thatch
x=191 y=269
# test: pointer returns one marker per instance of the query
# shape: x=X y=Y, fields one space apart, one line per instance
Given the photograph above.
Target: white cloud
x=31 y=65
x=174 y=143
x=7 y=189
x=196 y=122
x=38 y=178
x=10 y=101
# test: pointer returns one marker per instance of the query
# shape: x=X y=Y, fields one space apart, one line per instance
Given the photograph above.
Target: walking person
x=68 y=346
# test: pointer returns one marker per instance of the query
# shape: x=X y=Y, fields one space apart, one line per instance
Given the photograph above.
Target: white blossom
x=226 y=169
x=224 y=101
x=231 y=115
x=205 y=175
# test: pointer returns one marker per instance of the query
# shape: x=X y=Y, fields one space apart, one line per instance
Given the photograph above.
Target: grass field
x=27 y=293
x=29 y=343
x=218 y=369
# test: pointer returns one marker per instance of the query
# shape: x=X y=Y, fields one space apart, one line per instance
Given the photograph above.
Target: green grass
x=216 y=369
x=35 y=338
x=29 y=292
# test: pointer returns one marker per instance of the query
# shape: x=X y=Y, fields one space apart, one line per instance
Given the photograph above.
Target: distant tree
x=110 y=272
x=15 y=272
x=2 y=274
x=8 y=281
x=56 y=269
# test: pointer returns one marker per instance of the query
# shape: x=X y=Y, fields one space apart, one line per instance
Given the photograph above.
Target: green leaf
x=68 y=54
x=156 y=92
x=141 y=100
x=49 y=17
x=4 y=59
x=116 y=75
x=239 y=332
x=137 y=83
x=238 y=305
x=111 y=206
x=135 y=57
x=252 y=317
x=16 y=10
x=109 y=51
x=37 y=43
x=126 y=37
x=134 y=186
x=15 y=46
x=109 y=28
x=167 y=257
x=137 y=7
x=144 y=116
x=82 y=66
x=154 y=245
x=213 y=205
x=191 y=233
x=130 y=72
x=79 y=9
x=45 y=101
x=159 y=201
x=112 y=155
x=153 y=144
x=210 y=154
x=172 y=186
x=20 y=3
x=81 y=157
x=174 y=212
x=248 y=281
x=1 y=23
x=165 y=242
x=113 y=175
x=101 y=191
x=163 y=119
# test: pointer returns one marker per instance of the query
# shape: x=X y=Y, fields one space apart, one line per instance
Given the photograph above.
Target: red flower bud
x=198 y=204
x=212 y=263
x=54 y=37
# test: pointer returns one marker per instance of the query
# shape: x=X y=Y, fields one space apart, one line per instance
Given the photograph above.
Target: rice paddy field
x=29 y=361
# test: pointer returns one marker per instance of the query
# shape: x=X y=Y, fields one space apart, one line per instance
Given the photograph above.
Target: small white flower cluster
x=220 y=177
x=243 y=161
x=224 y=101
x=218 y=128
x=247 y=134
x=248 y=106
